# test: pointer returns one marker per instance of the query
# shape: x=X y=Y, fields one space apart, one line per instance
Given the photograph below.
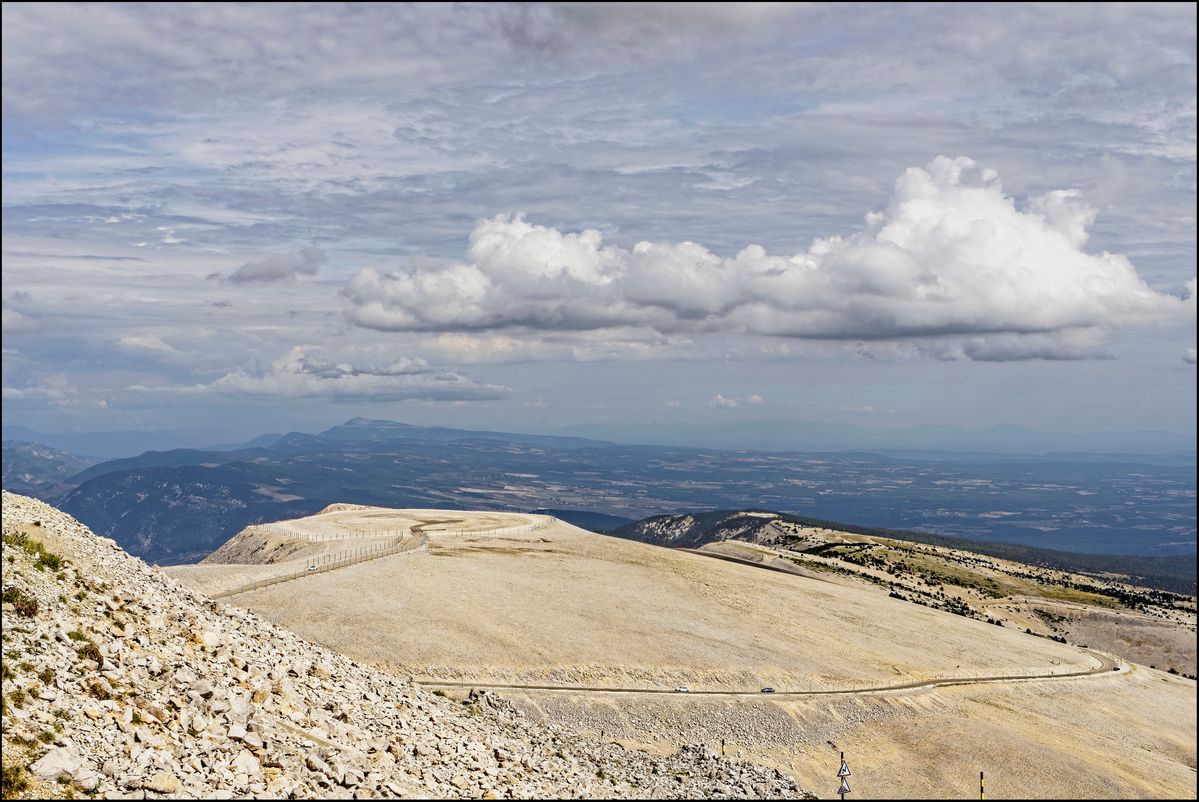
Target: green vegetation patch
x=13 y=781
x=22 y=604
x=1174 y=575
x=43 y=558
x=1076 y=595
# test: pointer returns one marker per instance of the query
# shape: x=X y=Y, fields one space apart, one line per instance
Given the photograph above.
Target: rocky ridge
x=120 y=682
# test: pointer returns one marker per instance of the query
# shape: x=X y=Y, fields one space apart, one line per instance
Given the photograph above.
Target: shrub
x=45 y=559
x=90 y=651
x=13 y=781
x=22 y=604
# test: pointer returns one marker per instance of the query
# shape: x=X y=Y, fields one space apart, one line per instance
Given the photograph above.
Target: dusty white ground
x=561 y=606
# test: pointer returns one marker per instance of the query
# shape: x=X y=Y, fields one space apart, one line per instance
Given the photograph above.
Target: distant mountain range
x=34 y=469
x=178 y=505
x=127 y=443
x=693 y=530
x=916 y=442
x=908 y=442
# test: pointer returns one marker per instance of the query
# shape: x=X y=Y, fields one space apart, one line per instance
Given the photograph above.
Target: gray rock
x=57 y=762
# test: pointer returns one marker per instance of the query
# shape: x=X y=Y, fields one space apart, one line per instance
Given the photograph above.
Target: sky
x=253 y=217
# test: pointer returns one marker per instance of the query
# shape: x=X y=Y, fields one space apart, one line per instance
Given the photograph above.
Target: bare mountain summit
x=118 y=680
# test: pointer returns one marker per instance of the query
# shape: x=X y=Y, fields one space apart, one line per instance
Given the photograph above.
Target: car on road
x=312 y=568
x=682 y=689
x=768 y=689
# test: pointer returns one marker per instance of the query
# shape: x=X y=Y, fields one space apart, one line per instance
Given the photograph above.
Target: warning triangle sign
x=844 y=772
x=844 y=789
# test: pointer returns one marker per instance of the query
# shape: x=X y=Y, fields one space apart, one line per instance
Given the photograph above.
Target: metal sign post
x=981 y=788
x=844 y=775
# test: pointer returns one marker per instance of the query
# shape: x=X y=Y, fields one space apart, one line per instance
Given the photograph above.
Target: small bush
x=46 y=675
x=18 y=539
x=75 y=634
x=13 y=781
x=90 y=651
x=45 y=559
x=18 y=697
x=45 y=736
x=22 y=604
x=98 y=691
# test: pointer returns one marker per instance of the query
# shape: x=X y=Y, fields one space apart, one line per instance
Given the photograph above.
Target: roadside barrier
x=395 y=541
x=329 y=562
x=284 y=529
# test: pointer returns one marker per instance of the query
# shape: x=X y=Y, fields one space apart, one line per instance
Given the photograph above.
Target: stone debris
x=124 y=683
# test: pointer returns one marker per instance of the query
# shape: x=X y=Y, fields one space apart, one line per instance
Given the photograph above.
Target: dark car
x=768 y=690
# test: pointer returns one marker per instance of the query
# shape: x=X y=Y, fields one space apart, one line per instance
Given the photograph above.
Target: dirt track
x=1106 y=664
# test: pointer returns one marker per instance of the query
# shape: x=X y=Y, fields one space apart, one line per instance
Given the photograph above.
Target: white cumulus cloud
x=57 y=390
x=952 y=260
x=719 y=401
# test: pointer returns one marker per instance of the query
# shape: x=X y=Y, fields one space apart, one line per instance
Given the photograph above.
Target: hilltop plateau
x=655 y=646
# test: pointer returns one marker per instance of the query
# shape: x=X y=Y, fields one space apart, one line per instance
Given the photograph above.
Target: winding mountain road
x=1106 y=665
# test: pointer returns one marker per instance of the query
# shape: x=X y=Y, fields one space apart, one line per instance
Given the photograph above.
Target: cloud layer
x=163 y=163
x=311 y=372
x=303 y=262
x=951 y=257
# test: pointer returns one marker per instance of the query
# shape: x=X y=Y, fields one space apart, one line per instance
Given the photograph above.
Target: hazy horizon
x=755 y=435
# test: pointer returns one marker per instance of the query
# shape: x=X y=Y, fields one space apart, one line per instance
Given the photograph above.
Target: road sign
x=843 y=774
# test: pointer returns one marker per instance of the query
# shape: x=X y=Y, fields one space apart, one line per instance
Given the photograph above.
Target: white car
x=682 y=689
